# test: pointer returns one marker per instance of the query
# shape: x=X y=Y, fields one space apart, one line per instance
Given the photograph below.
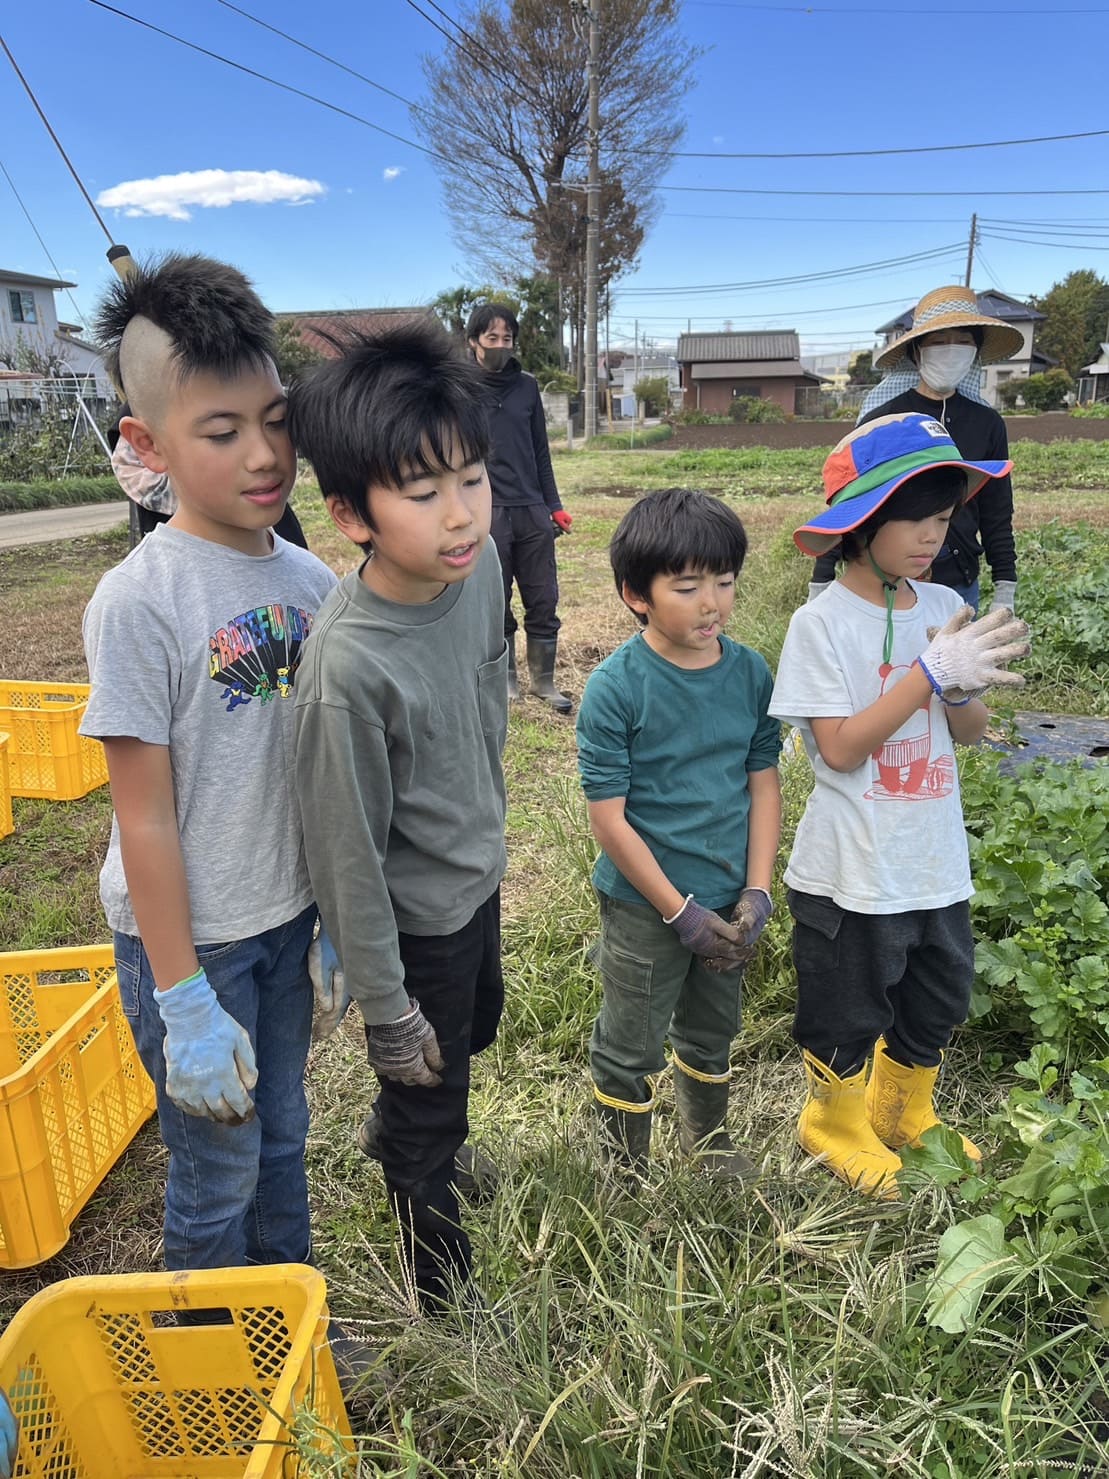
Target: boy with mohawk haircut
x=193 y=643
x=401 y=714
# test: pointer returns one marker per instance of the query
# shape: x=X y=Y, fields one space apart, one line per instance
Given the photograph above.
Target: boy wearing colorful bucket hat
x=881 y=674
x=934 y=369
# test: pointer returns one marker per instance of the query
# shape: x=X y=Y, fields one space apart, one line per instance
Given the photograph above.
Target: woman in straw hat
x=933 y=369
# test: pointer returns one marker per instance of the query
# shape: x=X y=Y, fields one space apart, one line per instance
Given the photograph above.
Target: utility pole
x=970 y=247
x=592 y=226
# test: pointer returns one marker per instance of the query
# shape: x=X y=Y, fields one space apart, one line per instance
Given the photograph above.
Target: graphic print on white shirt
x=906 y=769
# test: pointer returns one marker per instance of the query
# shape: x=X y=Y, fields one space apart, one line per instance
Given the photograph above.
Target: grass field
x=697 y=1329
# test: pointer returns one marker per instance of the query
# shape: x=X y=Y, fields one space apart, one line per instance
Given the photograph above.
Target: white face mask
x=942 y=366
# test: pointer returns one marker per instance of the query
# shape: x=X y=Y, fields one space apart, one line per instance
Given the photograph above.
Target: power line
x=1066 y=246
x=727 y=287
x=1096 y=133
x=884 y=10
x=497 y=69
x=57 y=141
x=824 y=220
x=915 y=194
x=264 y=77
x=38 y=237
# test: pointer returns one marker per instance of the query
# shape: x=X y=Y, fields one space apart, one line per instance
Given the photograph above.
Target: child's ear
x=639 y=604
x=347 y=520
x=144 y=440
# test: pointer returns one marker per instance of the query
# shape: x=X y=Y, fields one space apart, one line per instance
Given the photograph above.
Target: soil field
x=1047 y=428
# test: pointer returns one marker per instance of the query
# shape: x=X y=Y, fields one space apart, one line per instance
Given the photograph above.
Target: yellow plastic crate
x=46 y=755
x=6 y=823
x=106 y=1386
x=73 y=1092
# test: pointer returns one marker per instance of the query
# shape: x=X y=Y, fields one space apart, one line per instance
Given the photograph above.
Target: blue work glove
x=329 y=985
x=406 y=1050
x=703 y=932
x=9 y=1437
x=210 y=1068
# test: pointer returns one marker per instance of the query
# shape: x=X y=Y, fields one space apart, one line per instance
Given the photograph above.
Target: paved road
x=40 y=526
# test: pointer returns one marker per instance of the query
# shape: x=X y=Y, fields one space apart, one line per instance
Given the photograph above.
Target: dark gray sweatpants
x=861 y=976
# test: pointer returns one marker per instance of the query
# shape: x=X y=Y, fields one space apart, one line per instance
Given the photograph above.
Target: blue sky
x=358 y=221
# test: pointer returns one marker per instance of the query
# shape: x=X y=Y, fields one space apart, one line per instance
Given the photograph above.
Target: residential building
x=1093 y=384
x=29 y=318
x=1028 y=360
x=341 y=321
x=716 y=368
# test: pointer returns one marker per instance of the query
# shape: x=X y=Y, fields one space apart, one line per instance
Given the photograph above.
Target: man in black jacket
x=933 y=369
x=526 y=507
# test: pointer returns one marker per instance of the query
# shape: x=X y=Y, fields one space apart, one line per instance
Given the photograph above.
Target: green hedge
x=57 y=493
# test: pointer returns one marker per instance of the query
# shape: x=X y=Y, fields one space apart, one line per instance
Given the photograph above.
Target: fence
x=50 y=428
x=816 y=403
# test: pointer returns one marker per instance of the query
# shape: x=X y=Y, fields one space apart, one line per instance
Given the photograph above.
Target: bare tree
x=507 y=113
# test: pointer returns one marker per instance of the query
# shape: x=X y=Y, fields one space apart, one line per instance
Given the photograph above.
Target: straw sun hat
x=954 y=308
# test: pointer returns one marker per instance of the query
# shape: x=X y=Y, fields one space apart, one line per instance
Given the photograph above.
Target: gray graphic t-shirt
x=195 y=646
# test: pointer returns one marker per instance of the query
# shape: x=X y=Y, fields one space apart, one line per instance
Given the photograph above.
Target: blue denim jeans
x=969 y=594
x=236 y=1194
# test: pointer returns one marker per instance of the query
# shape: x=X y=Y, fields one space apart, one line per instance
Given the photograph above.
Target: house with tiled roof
x=717 y=368
x=313 y=325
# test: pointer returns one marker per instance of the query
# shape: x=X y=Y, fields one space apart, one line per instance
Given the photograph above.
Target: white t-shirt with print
x=888 y=836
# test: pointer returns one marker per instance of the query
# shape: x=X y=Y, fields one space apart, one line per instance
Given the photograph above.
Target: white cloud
x=172 y=195
x=391 y=171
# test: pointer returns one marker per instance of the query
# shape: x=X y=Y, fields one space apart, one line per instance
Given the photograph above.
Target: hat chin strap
x=890 y=587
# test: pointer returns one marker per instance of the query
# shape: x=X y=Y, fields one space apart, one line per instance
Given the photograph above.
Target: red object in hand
x=562 y=519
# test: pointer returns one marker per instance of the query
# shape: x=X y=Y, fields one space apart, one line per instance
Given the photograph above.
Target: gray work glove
x=1004 y=595
x=816 y=587
x=968 y=655
x=704 y=932
x=329 y=986
x=406 y=1050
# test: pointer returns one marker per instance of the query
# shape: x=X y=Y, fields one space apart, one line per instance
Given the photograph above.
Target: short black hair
x=919 y=497
x=392 y=403
x=485 y=315
x=217 y=322
x=673 y=530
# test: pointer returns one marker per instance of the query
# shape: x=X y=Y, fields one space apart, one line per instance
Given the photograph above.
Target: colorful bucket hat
x=870 y=464
x=954 y=307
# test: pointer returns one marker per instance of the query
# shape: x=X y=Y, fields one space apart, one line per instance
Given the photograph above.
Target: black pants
x=859 y=976
x=457 y=981
x=525 y=540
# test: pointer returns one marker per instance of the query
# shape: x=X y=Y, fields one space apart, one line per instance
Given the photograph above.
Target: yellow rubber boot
x=835 y=1129
x=899 y=1102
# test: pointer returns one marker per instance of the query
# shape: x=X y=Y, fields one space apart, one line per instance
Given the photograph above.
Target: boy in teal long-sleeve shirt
x=678 y=759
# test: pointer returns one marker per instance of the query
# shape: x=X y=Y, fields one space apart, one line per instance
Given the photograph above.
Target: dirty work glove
x=816 y=587
x=562 y=519
x=1004 y=595
x=406 y=1050
x=968 y=654
x=703 y=932
x=329 y=986
x=750 y=916
x=9 y=1437
x=210 y=1068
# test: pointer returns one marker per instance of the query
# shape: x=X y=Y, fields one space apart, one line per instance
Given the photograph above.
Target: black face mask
x=495 y=359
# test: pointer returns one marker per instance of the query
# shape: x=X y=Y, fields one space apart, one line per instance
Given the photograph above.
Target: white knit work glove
x=1004 y=595
x=967 y=654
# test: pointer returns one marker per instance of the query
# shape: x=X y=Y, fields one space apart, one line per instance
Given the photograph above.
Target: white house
x=28 y=317
x=1094 y=384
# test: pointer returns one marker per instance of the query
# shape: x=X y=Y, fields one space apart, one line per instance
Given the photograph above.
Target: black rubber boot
x=626 y=1136
x=541 y=665
x=513 y=685
x=702 y=1128
x=475 y=1176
